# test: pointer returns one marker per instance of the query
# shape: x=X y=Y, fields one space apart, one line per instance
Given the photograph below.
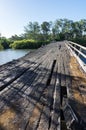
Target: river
x=10 y=54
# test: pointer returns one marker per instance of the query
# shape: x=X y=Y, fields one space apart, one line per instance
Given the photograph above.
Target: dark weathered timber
x=36 y=92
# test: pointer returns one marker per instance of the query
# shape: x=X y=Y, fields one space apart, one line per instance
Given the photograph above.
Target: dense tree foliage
x=61 y=29
x=4 y=43
x=1 y=47
x=32 y=30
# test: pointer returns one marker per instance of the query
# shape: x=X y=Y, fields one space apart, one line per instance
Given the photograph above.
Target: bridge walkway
x=44 y=90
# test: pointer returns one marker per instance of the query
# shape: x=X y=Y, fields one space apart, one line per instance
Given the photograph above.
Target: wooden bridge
x=44 y=90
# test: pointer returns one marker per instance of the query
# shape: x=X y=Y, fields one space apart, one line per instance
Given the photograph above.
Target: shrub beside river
x=1 y=47
x=27 y=44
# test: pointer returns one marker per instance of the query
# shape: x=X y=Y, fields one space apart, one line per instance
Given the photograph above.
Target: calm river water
x=9 y=54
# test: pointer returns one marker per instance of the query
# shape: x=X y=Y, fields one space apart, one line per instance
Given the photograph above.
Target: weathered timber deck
x=44 y=90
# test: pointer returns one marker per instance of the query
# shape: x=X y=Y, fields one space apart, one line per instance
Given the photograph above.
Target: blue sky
x=15 y=14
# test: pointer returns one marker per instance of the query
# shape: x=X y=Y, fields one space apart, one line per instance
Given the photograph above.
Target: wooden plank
x=37 y=95
x=34 y=124
x=68 y=76
x=31 y=102
x=10 y=76
x=55 y=113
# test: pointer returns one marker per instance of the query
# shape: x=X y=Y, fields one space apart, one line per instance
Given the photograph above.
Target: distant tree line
x=36 y=34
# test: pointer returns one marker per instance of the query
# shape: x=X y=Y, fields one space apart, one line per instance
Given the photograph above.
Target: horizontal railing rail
x=73 y=43
x=79 y=52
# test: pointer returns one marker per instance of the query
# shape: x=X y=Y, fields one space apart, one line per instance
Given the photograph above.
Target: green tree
x=66 y=28
x=56 y=29
x=76 y=29
x=4 y=42
x=45 y=29
x=32 y=30
x=16 y=37
x=82 y=23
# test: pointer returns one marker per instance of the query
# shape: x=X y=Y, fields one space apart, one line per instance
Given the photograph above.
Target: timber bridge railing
x=44 y=90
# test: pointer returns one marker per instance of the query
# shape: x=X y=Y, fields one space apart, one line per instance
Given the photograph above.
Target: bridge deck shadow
x=33 y=100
